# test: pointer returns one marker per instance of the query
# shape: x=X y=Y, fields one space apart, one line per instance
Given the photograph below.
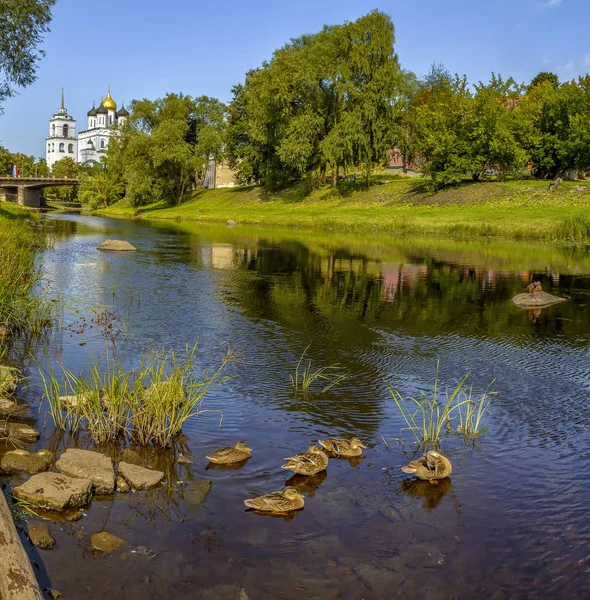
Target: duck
x=431 y=467
x=287 y=500
x=307 y=463
x=343 y=448
x=534 y=287
x=231 y=454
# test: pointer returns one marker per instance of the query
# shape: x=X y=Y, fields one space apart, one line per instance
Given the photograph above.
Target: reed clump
x=305 y=376
x=432 y=416
x=147 y=405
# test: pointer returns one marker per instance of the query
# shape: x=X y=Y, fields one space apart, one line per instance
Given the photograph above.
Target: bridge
x=27 y=190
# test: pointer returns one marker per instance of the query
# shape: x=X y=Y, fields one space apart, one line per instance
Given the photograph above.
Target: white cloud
x=552 y=3
x=586 y=61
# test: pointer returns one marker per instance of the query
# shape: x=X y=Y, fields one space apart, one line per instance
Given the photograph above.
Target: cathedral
x=89 y=145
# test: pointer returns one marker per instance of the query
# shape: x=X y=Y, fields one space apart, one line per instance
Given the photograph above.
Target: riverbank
x=20 y=242
x=515 y=210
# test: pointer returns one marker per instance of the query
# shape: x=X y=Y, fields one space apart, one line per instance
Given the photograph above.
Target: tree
x=101 y=188
x=22 y=23
x=64 y=168
x=544 y=77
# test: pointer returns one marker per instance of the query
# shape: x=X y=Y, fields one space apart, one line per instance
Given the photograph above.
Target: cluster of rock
x=81 y=474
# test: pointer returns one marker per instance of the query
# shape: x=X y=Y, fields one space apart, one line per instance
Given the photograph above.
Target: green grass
x=147 y=405
x=521 y=210
x=20 y=273
x=432 y=416
x=304 y=377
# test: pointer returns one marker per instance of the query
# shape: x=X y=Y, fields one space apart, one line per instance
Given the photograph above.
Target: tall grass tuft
x=432 y=416
x=148 y=404
x=304 y=376
x=574 y=229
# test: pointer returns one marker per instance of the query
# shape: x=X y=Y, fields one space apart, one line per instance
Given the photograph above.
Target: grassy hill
x=514 y=209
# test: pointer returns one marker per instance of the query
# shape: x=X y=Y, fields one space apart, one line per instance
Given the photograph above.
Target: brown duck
x=277 y=502
x=307 y=463
x=534 y=287
x=231 y=454
x=343 y=448
x=431 y=467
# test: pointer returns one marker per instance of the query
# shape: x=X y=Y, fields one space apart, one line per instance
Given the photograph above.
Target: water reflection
x=387 y=310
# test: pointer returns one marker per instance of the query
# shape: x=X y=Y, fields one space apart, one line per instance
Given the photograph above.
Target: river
x=511 y=522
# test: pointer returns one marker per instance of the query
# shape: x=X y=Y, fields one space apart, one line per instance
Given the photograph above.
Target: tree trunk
x=335 y=169
x=323 y=174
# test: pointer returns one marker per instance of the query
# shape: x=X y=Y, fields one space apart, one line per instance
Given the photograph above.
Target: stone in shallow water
x=9 y=408
x=39 y=535
x=18 y=432
x=131 y=457
x=105 y=542
x=536 y=300
x=122 y=486
x=54 y=491
x=16 y=461
x=196 y=492
x=184 y=460
x=116 y=246
x=8 y=380
x=140 y=478
x=86 y=464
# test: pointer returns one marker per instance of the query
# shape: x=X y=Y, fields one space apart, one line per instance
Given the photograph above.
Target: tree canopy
x=22 y=25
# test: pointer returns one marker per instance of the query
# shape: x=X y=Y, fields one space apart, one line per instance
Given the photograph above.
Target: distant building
x=94 y=141
x=61 y=141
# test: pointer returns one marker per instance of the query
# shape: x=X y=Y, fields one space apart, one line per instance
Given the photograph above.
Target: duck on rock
x=431 y=467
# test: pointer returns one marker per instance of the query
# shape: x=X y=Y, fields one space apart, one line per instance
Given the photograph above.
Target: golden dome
x=108 y=102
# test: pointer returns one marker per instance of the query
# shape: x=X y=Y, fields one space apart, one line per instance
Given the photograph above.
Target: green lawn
x=515 y=209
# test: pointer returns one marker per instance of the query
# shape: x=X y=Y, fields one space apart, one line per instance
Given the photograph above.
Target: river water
x=512 y=520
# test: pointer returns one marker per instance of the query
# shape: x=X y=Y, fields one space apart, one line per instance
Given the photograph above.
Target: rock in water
x=196 y=492
x=231 y=223
x=105 y=542
x=184 y=460
x=16 y=461
x=86 y=464
x=116 y=246
x=9 y=408
x=536 y=300
x=122 y=486
x=8 y=380
x=18 y=432
x=40 y=536
x=140 y=478
x=131 y=457
x=54 y=491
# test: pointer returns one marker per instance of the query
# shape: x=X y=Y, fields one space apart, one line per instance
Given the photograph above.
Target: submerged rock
x=16 y=461
x=122 y=486
x=184 y=460
x=536 y=300
x=138 y=477
x=105 y=542
x=55 y=491
x=86 y=464
x=131 y=457
x=196 y=492
x=39 y=535
x=18 y=432
x=231 y=223
x=10 y=408
x=8 y=380
x=116 y=246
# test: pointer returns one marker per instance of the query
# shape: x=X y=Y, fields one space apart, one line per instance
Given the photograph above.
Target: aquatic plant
x=431 y=416
x=21 y=510
x=304 y=377
x=148 y=404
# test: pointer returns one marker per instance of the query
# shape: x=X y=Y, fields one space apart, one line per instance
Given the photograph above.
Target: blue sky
x=146 y=48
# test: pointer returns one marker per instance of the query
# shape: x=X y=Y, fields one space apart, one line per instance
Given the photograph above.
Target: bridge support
x=29 y=197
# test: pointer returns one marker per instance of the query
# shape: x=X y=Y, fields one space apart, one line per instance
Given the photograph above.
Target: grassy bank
x=20 y=243
x=515 y=209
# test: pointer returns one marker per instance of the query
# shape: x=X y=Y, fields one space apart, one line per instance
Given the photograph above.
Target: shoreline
x=518 y=210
